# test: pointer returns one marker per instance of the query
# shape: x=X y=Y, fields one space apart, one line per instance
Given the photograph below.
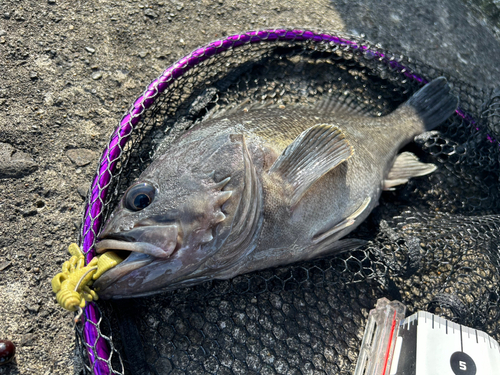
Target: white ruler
x=424 y=344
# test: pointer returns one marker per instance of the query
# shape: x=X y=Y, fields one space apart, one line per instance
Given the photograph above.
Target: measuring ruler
x=423 y=344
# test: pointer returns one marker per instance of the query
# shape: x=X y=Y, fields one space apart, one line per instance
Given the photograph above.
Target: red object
x=7 y=351
x=388 y=352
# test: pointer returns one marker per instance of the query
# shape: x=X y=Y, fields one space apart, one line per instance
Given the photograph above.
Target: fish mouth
x=158 y=241
x=137 y=247
x=132 y=261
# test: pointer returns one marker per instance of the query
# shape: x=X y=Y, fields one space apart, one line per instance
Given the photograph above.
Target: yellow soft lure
x=72 y=285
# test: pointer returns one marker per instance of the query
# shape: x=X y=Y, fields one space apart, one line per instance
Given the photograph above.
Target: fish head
x=171 y=223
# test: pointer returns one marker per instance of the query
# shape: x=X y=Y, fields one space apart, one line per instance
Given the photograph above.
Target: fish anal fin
x=390 y=184
x=347 y=222
x=405 y=167
x=312 y=154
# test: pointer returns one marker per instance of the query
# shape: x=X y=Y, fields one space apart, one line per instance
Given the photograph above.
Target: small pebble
x=18 y=16
x=3 y=32
x=150 y=13
x=96 y=75
x=143 y=54
x=4 y=265
x=15 y=163
x=33 y=75
x=7 y=351
x=51 y=1
x=83 y=190
x=28 y=213
x=77 y=224
x=90 y=50
x=32 y=308
x=81 y=156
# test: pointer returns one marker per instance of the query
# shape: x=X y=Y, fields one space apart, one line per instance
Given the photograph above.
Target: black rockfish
x=260 y=188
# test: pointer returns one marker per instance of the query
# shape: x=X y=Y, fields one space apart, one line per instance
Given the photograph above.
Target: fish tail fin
x=433 y=103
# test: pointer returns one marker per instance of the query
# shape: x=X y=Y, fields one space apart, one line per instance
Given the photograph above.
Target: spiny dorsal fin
x=312 y=154
x=245 y=106
x=405 y=167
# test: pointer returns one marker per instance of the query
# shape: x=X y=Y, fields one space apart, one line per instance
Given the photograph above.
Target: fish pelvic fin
x=347 y=222
x=405 y=167
x=433 y=103
x=310 y=156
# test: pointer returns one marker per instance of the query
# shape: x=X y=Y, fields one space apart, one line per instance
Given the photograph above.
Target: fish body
x=257 y=188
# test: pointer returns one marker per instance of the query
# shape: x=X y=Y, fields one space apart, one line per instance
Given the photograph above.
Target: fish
x=260 y=187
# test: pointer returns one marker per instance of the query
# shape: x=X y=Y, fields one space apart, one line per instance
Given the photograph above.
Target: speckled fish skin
x=273 y=210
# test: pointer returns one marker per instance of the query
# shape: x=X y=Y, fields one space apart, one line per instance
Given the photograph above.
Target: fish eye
x=140 y=196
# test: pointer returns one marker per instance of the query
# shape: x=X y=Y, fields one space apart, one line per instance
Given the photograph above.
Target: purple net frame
x=97 y=347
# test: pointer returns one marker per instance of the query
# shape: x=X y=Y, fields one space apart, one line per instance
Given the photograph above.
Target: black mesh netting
x=433 y=243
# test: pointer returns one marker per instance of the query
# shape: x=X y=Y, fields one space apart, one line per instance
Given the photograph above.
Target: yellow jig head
x=72 y=285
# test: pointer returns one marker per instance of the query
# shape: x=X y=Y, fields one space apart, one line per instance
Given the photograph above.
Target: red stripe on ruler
x=387 y=352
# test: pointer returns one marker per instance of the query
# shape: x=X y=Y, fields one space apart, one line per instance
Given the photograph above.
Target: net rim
x=97 y=348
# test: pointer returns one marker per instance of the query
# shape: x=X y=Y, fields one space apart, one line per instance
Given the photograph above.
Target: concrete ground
x=69 y=69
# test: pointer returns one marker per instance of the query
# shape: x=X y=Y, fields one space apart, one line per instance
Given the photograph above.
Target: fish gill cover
x=432 y=243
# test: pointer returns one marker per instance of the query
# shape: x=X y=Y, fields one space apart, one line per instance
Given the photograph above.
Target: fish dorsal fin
x=405 y=167
x=245 y=106
x=313 y=153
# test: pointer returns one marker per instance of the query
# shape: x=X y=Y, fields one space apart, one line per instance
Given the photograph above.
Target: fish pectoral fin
x=405 y=167
x=347 y=222
x=312 y=154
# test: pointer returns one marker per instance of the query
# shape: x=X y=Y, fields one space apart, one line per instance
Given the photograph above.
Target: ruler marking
x=461 y=340
x=435 y=346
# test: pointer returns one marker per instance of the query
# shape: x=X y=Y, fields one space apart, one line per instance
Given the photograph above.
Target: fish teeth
x=223 y=197
x=220 y=185
x=219 y=216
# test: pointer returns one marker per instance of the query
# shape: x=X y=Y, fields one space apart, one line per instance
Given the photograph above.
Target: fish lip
x=133 y=240
x=132 y=262
x=134 y=247
x=145 y=244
